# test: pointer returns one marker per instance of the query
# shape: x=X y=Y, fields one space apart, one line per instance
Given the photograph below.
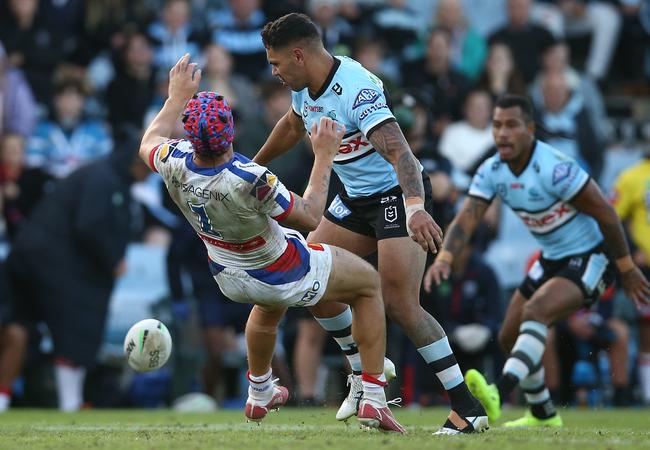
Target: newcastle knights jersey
x=234 y=208
x=541 y=197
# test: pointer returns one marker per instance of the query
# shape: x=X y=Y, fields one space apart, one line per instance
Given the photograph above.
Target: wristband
x=412 y=205
x=445 y=256
x=624 y=263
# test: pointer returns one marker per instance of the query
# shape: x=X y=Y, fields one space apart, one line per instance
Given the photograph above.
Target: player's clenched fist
x=326 y=137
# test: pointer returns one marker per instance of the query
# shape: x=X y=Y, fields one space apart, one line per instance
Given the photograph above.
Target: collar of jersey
x=328 y=80
x=189 y=162
x=530 y=158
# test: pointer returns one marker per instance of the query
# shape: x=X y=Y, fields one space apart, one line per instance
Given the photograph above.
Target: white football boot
x=350 y=404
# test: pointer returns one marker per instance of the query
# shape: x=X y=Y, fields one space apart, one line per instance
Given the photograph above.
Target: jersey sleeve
x=366 y=104
x=268 y=195
x=622 y=196
x=159 y=155
x=564 y=178
x=295 y=103
x=481 y=185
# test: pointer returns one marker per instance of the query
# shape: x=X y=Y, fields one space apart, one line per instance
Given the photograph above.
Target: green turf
x=310 y=429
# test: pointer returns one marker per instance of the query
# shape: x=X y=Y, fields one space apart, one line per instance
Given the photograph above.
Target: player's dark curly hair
x=512 y=101
x=288 y=29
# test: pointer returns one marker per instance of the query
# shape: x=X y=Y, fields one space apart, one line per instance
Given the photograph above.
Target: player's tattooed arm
x=390 y=142
x=592 y=202
x=464 y=224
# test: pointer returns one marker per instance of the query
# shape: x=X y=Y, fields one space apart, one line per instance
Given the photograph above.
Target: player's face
x=513 y=135
x=287 y=64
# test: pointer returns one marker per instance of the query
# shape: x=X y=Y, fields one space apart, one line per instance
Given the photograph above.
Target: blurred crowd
x=80 y=79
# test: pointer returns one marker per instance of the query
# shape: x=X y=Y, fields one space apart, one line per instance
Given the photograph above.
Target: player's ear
x=298 y=54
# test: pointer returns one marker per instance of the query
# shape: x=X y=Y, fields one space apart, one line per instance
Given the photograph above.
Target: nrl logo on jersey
x=365 y=96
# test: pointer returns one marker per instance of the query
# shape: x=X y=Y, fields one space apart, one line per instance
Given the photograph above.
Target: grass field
x=310 y=429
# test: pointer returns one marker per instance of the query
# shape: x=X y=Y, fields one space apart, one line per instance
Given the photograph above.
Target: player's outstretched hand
x=636 y=286
x=326 y=137
x=438 y=271
x=184 y=79
x=425 y=231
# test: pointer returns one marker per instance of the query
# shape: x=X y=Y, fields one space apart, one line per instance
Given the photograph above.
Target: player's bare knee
x=533 y=310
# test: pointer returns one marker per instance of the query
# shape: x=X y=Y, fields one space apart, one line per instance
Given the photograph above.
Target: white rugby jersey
x=234 y=208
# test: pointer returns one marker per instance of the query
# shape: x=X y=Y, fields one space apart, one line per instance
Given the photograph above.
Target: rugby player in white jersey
x=385 y=205
x=236 y=207
x=581 y=238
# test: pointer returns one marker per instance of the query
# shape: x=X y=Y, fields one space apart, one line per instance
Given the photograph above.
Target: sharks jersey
x=232 y=207
x=353 y=96
x=541 y=197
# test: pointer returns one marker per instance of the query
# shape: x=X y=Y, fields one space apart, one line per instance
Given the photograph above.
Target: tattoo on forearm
x=390 y=143
x=464 y=224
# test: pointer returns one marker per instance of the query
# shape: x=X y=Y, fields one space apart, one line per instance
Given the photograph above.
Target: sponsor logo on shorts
x=338 y=209
x=390 y=213
x=310 y=294
x=389 y=199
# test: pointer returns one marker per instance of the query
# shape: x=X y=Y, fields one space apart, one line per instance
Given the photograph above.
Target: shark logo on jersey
x=502 y=190
x=331 y=114
x=365 y=97
x=561 y=171
x=390 y=213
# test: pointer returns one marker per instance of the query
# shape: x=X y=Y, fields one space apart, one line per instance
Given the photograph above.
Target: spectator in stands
x=17 y=104
x=67 y=140
x=131 y=91
x=338 y=35
x=32 y=45
x=218 y=76
x=292 y=167
x=434 y=74
x=371 y=54
x=469 y=306
x=526 y=39
x=564 y=117
x=399 y=24
x=572 y=367
x=220 y=319
x=557 y=58
x=173 y=35
x=237 y=29
x=603 y=21
x=500 y=75
x=468 y=48
x=632 y=202
x=466 y=143
x=79 y=233
x=20 y=187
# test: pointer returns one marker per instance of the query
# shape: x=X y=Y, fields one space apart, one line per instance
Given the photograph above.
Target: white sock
x=261 y=387
x=373 y=389
x=644 y=375
x=69 y=386
x=5 y=400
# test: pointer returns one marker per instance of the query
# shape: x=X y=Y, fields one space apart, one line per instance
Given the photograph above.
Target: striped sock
x=441 y=359
x=340 y=327
x=537 y=394
x=525 y=356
